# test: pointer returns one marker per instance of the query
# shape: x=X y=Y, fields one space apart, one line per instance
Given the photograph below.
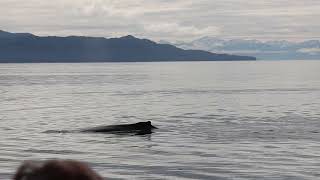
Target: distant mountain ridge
x=4 y=34
x=26 y=47
x=269 y=50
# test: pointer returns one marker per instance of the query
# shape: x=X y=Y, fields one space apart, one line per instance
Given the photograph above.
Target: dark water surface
x=216 y=120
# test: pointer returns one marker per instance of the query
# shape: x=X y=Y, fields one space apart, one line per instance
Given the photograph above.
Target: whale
x=139 y=128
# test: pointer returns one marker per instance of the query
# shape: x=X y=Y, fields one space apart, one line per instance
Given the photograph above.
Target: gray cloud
x=165 y=19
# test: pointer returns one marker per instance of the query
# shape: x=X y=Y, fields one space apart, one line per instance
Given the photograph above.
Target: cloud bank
x=171 y=20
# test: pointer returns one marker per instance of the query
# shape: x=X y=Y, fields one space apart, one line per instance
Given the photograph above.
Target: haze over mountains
x=268 y=50
x=26 y=47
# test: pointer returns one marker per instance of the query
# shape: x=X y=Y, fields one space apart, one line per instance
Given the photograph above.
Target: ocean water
x=216 y=120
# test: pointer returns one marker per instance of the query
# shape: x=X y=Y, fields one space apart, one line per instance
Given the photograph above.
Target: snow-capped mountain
x=263 y=50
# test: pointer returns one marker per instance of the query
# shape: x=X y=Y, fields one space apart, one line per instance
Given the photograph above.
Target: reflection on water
x=216 y=120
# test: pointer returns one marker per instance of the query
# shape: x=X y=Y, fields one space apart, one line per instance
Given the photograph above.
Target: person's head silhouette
x=55 y=170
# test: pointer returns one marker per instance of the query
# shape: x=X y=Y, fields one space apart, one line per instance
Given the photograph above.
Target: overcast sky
x=171 y=20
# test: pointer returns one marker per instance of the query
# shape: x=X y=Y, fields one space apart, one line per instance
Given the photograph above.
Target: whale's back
x=138 y=128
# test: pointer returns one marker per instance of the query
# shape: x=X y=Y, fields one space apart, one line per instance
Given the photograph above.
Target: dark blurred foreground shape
x=55 y=170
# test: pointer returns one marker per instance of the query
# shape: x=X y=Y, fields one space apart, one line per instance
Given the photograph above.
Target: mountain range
x=26 y=47
x=263 y=50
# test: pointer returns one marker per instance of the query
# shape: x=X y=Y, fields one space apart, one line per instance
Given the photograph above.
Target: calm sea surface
x=216 y=120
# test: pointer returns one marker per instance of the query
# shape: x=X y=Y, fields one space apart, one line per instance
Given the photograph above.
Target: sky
x=170 y=20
